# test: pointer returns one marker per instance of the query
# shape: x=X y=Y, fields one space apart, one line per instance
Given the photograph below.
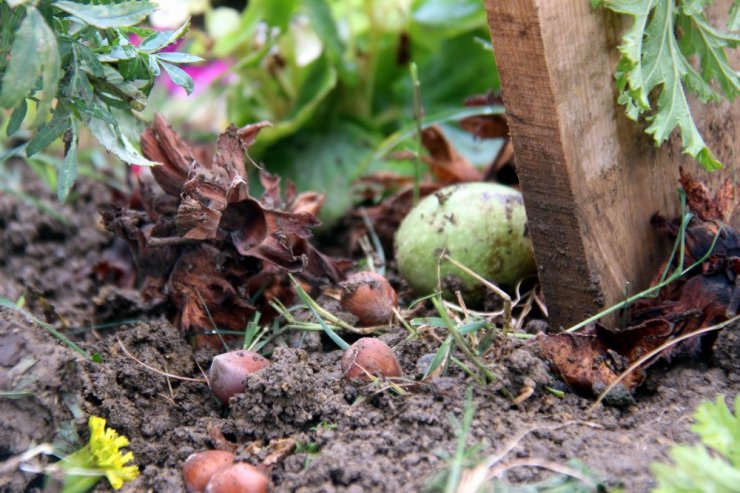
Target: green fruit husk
x=481 y=225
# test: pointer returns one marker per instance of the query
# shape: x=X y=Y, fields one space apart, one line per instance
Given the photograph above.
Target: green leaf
x=174 y=57
x=122 y=14
x=719 y=429
x=93 y=109
x=162 y=39
x=112 y=139
x=89 y=60
x=654 y=59
x=19 y=113
x=178 y=76
x=733 y=20
x=325 y=162
x=34 y=52
x=114 y=85
x=695 y=471
x=320 y=80
x=701 y=39
x=48 y=132
x=123 y=51
x=323 y=23
x=454 y=16
x=68 y=169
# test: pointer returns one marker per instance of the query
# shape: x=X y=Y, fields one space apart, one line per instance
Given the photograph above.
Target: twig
x=544 y=464
x=652 y=353
x=159 y=372
x=376 y=241
x=500 y=292
x=12 y=464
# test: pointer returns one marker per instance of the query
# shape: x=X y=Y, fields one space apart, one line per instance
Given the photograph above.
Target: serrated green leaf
x=120 y=52
x=178 y=76
x=34 y=52
x=176 y=57
x=123 y=14
x=19 y=113
x=718 y=428
x=701 y=39
x=134 y=69
x=116 y=143
x=653 y=59
x=94 y=110
x=162 y=39
x=68 y=168
x=695 y=471
x=48 y=132
x=114 y=85
x=89 y=60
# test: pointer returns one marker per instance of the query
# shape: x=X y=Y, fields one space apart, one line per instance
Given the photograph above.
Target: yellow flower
x=104 y=445
x=101 y=455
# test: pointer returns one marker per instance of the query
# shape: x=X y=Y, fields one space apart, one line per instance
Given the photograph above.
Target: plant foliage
x=656 y=55
x=713 y=464
x=333 y=77
x=76 y=63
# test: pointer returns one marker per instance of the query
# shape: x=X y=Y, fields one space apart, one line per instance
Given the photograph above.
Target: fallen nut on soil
x=369 y=297
x=239 y=478
x=369 y=357
x=201 y=466
x=228 y=371
x=481 y=225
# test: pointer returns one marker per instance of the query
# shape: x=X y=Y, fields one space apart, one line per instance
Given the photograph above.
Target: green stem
x=318 y=311
x=460 y=340
x=676 y=275
x=418 y=120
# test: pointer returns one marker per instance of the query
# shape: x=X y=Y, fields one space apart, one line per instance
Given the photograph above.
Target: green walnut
x=481 y=225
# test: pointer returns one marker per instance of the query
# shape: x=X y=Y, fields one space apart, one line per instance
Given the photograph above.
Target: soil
x=347 y=438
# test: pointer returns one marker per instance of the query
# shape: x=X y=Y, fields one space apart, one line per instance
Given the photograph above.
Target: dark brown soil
x=380 y=442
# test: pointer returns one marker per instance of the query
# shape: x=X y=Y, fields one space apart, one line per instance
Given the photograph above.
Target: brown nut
x=369 y=356
x=201 y=466
x=239 y=478
x=228 y=371
x=370 y=297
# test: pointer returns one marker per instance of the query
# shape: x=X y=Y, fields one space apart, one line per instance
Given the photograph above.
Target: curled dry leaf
x=705 y=296
x=446 y=164
x=208 y=247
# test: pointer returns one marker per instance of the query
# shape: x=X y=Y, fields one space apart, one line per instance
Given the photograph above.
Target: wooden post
x=591 y=178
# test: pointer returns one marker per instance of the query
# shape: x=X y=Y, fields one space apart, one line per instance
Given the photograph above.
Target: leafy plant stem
x=460 y=340
x=319 y=312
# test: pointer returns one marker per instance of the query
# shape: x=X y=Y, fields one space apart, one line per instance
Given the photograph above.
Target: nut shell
x=369 y=355
x=370 y=297
x=228 y=371
x=481 y=225
x=200 y=467
x=239 y=478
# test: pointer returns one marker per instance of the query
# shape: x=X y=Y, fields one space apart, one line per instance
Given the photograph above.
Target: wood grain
x=591 y=178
